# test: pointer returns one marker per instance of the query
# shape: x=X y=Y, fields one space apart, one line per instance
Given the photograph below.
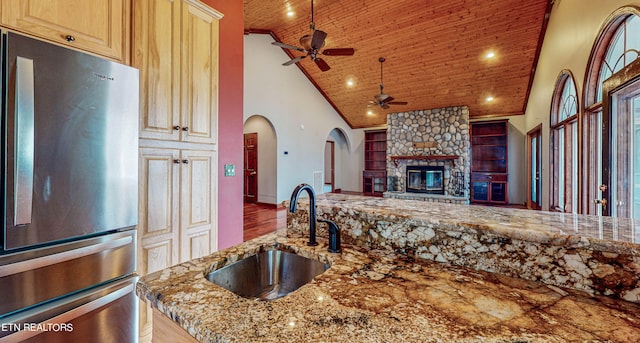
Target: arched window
x=564 y=145
x=622 y=49
x=617 y=46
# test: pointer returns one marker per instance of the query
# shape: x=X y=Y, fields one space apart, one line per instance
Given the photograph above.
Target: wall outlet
x=229 y=170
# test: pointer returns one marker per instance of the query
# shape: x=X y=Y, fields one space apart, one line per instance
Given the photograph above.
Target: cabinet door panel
x=198 y=204
x=480 y=191
x=158 y=191
x=98 y=26
x=199 y=244
x=156 y=46
x=200 y=75
x=498 y=192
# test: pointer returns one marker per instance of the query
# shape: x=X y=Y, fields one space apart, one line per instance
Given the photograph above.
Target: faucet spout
x=312 y=209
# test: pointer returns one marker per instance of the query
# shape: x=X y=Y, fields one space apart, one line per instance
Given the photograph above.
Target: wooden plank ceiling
x=435 y=51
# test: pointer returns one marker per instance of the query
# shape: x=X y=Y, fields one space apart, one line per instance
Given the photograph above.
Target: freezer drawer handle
x=72 y=314
x=24 y=141
x=44 y=261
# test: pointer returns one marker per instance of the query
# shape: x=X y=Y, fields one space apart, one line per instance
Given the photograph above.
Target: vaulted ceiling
x=435 y=51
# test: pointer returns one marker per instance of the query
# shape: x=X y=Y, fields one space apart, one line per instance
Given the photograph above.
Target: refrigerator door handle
x=67 y=255
x=24 y=141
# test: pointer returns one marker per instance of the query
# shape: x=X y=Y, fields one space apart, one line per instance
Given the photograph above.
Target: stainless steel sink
x=267 y=275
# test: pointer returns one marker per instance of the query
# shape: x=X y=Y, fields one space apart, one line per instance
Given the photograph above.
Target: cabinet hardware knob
x=177 y=127
x=186 y=128
x=185 y=161
x=176 y=161
x=70 y=38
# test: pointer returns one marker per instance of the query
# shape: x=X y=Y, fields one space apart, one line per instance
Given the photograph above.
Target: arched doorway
x=336 y=158
x=260 y=161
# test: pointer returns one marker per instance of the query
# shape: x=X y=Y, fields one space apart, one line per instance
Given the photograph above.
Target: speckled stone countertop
x=601 y=233
x=383 y=296
x=599 y=255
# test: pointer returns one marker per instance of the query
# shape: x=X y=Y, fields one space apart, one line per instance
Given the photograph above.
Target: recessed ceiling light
x=369 y=112
x=490 y=99
x=490 y=54
x=290 y=13
x=350 y=83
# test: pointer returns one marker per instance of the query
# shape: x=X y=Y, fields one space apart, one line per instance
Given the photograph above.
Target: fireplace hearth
x=425 y=179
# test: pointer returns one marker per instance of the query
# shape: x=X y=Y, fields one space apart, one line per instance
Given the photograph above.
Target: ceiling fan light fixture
x=311 y=45
x=381 y=99
x=305 y=41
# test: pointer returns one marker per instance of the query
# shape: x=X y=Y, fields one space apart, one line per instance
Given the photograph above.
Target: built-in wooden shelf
x=451 y=158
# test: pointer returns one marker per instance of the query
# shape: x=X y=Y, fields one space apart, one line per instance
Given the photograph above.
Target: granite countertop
x=599 y=255
x=378 y=295
x=606 y=233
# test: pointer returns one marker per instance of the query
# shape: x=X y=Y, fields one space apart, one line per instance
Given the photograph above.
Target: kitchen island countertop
x=379 y=295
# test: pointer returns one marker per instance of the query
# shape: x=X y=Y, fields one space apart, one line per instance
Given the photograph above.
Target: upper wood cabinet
x=97 y=26
x=175 y=46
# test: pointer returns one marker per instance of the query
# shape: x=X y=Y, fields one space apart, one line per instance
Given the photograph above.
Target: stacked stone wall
x=446 y=132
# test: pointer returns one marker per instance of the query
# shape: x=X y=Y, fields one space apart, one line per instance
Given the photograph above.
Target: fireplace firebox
x=425 y=179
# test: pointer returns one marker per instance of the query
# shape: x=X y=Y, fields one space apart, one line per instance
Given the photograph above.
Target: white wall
x=348 y=172
x=571 y=33
x=301 y=117
x=267 y=153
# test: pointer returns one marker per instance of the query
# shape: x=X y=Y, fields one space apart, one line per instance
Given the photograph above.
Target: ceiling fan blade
x=387 y=99
x=287 y=46
x=384 y=105
x=339 y=52
x=322 y=64
x=318 y=39
x=397 y=103
x=295 y=60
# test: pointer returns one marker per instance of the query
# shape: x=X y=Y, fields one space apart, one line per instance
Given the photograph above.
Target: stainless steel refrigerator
x=69 y=184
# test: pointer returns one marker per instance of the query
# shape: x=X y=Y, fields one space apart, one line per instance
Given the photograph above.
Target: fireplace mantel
x=451 y=158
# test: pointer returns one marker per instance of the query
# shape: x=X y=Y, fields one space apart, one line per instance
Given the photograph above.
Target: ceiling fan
x=311 y=45
x=384 y=100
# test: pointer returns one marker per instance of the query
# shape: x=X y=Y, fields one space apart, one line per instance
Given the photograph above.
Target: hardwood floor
x=260 y=219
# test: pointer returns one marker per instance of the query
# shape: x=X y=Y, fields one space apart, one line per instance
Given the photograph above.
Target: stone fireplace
x=428 y=155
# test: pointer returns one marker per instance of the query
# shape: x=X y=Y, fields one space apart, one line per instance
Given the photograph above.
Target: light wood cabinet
x=97 y=26
x=158 y=217
x=198 y=208
x=166 y=330
x=177 y=204
x=177 y=212
x=175 y=46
